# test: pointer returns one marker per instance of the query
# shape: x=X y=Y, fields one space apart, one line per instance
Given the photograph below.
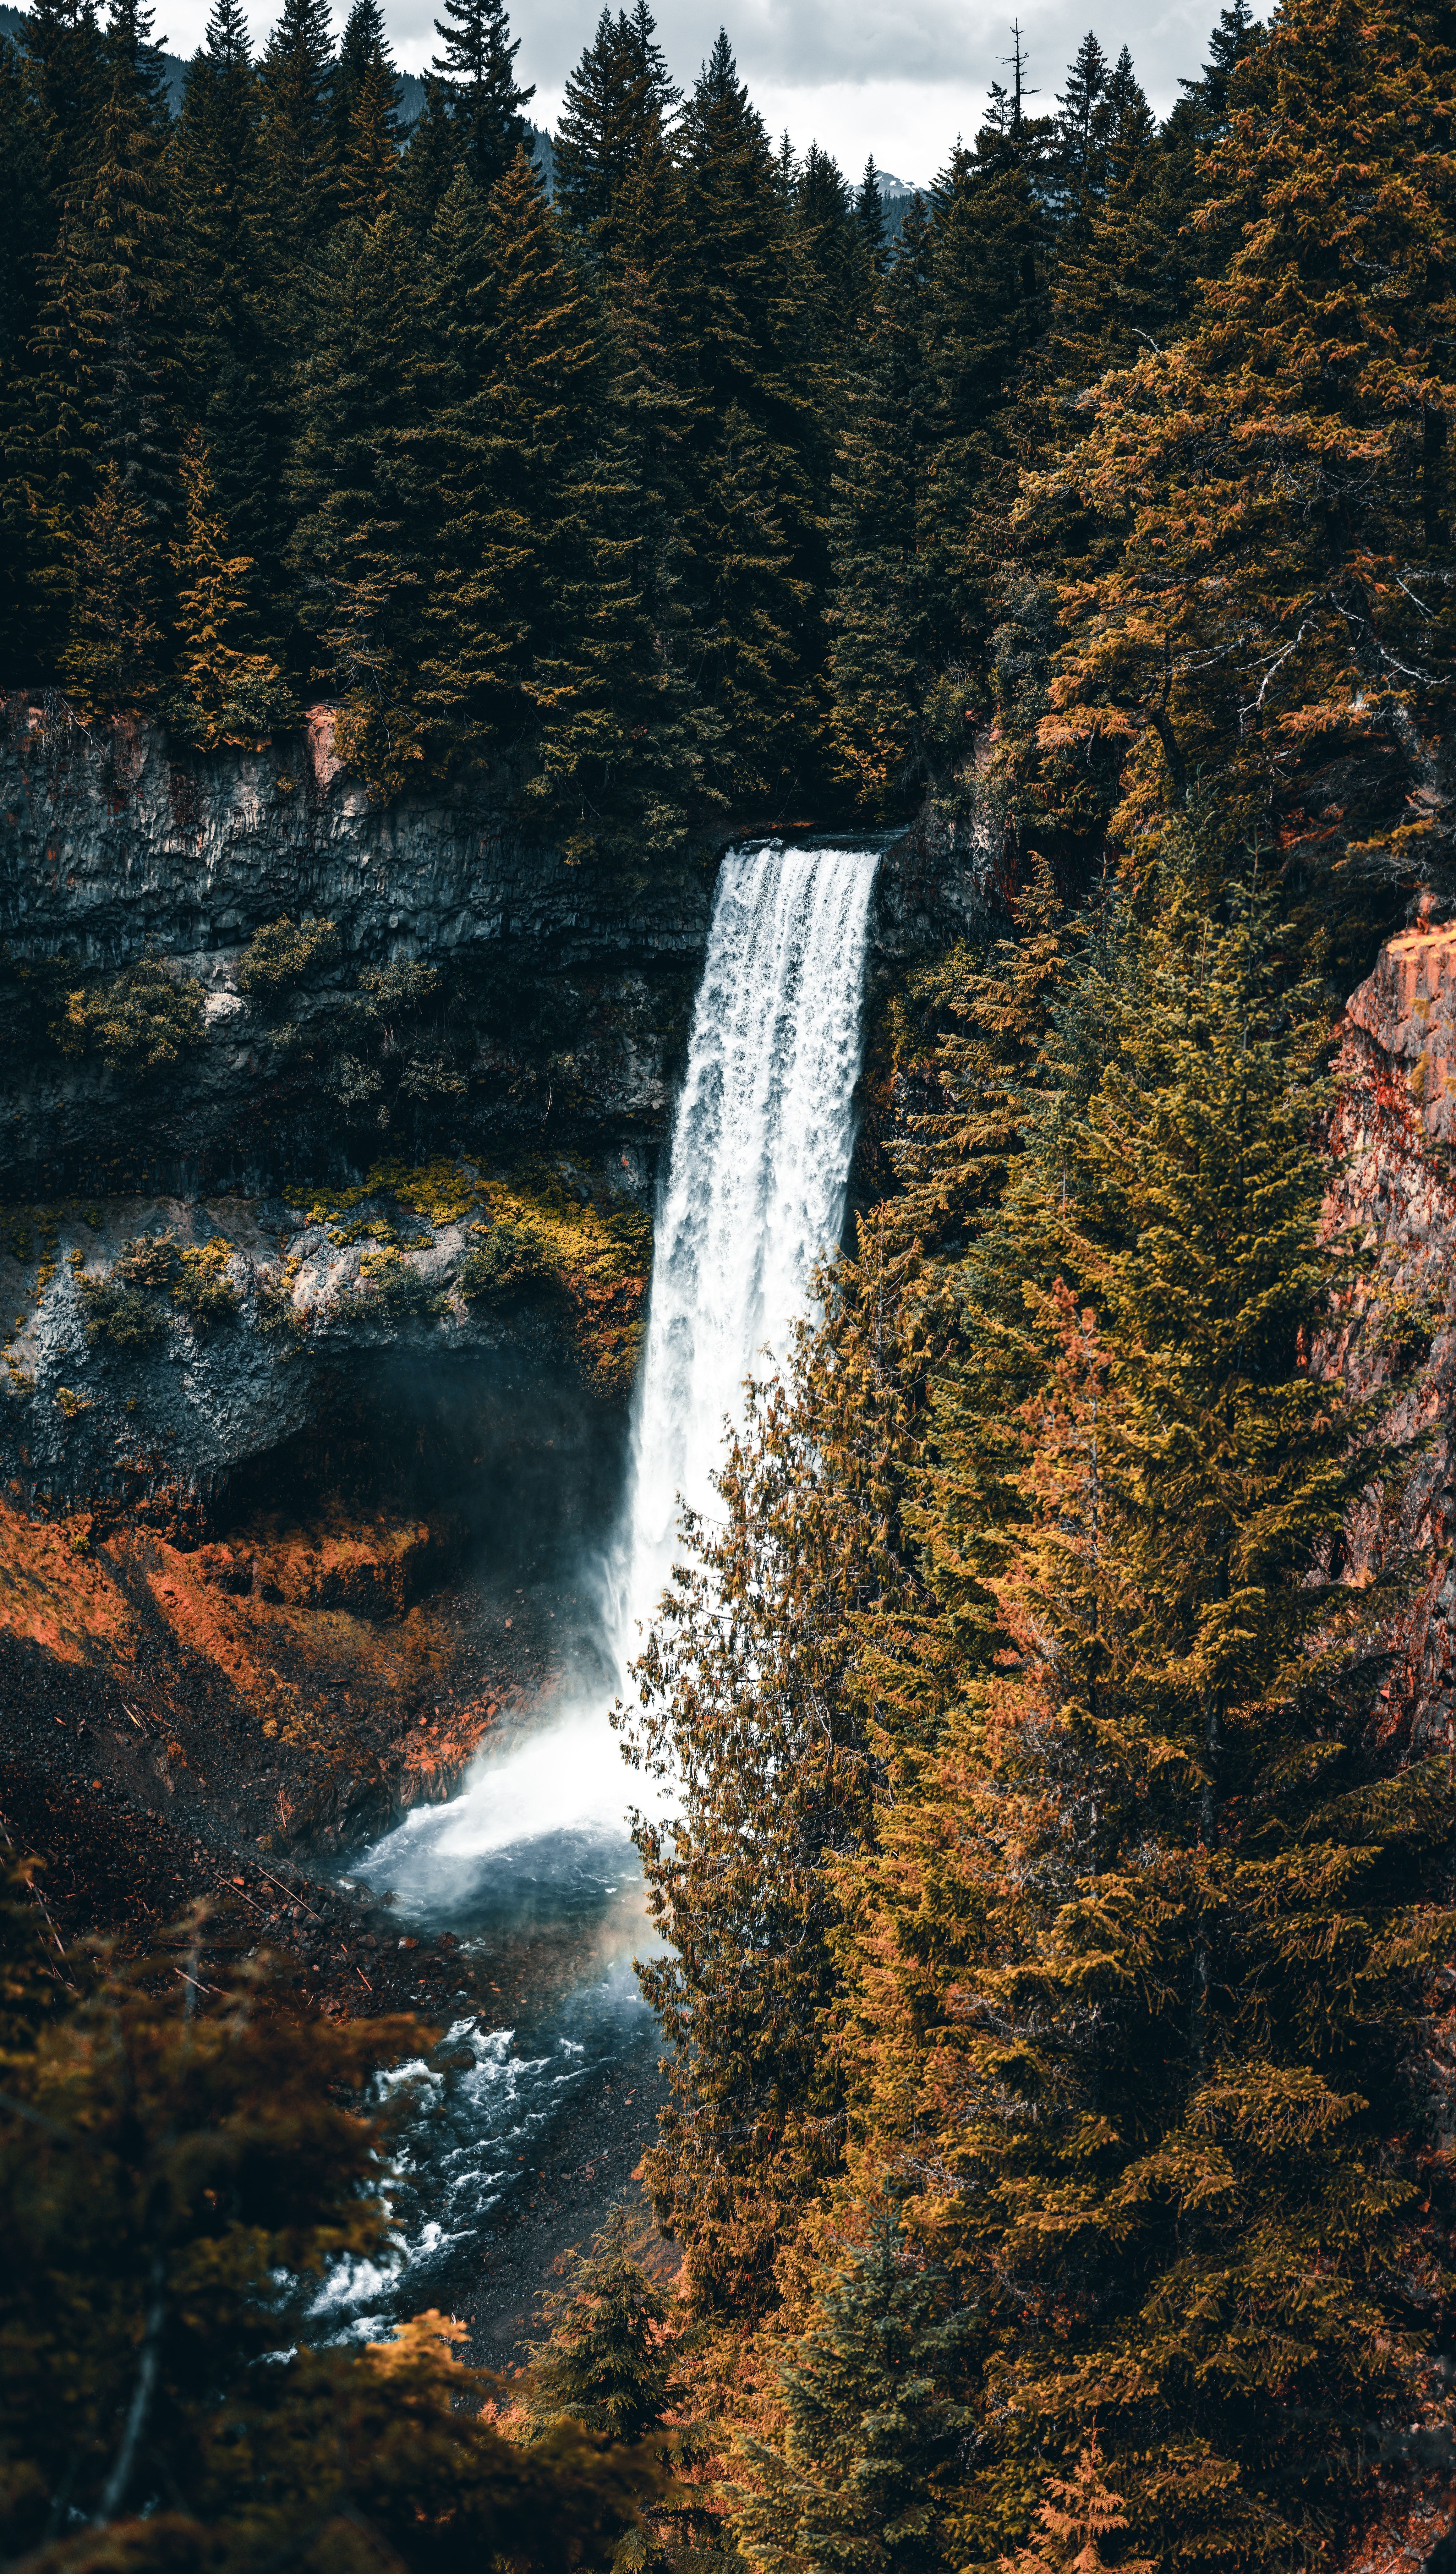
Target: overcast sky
x=898 y=78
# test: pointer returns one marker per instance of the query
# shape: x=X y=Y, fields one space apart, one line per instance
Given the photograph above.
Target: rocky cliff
x=369 y=1083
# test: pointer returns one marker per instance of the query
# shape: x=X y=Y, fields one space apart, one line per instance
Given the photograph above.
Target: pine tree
x=27 y=223
x=604 y=2360
x=506 y=590
x=1081 y=135
x=1085 y=1998
x=299 y=154
x=173 y=2146
x=882 y=644
x=371 y=159
x=478 y=72
x=429 y=161
x=359 y=543
x=761 y=448
x=870 y=2471
x=744 y=1705
x=230 y=345
x=225 y=691
x=870 y=214
x=1077 y=2516
x=128 y=217
x=1131 y=282
x=364 y=37
x=112 y=662
x=65 y=74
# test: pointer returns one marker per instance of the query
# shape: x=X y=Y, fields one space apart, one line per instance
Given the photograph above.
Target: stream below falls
x=524 y=2127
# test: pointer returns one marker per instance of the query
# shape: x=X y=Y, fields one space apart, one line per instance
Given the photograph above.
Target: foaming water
x=536 y=1844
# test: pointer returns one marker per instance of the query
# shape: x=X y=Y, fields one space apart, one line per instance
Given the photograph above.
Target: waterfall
x=756 y=1185
x=532 y=1862
x=755 y=1196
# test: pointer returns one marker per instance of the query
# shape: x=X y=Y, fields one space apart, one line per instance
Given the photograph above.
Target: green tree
x=370 y=168
x=358 y=548
x=744 y=1707
x=478 y=73
x=225 y=691
x=1226 y=610
x=112 y=660
x=870 y=214
x=882 y=644
x=618 y=101
x=299 y=145
x=27 y=223
x=129 y=217
x=233 y=352
x=870 y=2472
x=604 y=2359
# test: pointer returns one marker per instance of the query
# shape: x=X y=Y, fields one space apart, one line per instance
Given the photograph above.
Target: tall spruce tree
x=881 y=640
x=234 y=363
x=112 y=660
x=478 y=73
x=299 y=144
x=358 y=550
x=27 y=223
x=226 y=690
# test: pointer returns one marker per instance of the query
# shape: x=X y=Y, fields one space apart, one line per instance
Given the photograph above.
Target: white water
x=536 y=1846
x=754 y=1198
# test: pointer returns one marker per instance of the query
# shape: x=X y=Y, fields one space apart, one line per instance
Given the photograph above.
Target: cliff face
x=430 y=1138
x=1393 y=1135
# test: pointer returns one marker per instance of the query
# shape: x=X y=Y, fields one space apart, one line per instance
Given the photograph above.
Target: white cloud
x=851 y=74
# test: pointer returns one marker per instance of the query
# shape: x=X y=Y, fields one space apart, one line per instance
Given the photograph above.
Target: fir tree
x=27 y=223
x=233 y=360
x=363 y=38
x=870 y=214
x=1081 y=130
x=1254 y=630
x=743 y=1705
x=358 y=544
x=112 y=660
x=883 y=646
x=604 y=2360
x=871 y=2468
x=65 y=74
x=300 y=153
x=371 y=157
x=429 y=161
x=128 y=220
x=170 y=2153
x=224 y=691
x=478 y=73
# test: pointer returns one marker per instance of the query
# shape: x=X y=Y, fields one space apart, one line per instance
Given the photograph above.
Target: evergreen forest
x=1057 y=1963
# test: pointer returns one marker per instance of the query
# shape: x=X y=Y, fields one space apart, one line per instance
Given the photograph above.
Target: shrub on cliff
x=144 y=1019
x=505 y=1260
x=118 y=1318
x=283 y=954
x=149 y=1261
x=204 y=1291
x=396 y=1286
